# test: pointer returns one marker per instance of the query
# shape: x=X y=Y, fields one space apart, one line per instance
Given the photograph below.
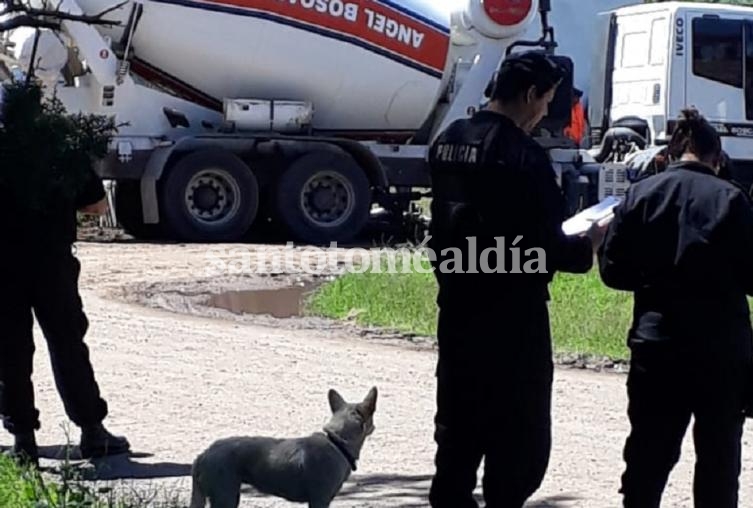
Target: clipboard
x=581 y=222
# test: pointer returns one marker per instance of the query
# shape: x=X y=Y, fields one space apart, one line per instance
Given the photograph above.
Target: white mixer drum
x=366 y=65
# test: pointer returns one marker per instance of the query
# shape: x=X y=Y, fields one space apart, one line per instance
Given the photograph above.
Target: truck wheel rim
x=327 y=199
x=212 y=197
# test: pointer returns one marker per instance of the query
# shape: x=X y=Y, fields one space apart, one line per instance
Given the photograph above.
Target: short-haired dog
x=309 y=470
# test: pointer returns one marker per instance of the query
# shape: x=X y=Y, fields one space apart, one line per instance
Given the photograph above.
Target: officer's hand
x=597 y=231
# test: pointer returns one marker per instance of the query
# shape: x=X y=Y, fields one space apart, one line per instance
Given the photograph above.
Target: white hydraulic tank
x=364 y=65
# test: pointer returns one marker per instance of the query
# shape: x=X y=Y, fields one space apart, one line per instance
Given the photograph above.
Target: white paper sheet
x=581 y=222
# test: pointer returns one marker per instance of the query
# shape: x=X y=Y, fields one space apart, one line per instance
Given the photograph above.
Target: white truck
x=655 y=59
x=305 y=113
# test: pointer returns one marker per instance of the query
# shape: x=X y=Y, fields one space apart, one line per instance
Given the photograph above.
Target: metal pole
x=30 y=72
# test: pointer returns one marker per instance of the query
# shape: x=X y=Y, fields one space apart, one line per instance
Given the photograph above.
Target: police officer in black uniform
x=40 y=273
x=491 y=181
x=682 y=242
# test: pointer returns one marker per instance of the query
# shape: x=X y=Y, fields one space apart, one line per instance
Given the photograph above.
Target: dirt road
x=178 y=375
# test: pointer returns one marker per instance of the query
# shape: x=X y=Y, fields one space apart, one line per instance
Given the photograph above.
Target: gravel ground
x=178 y=375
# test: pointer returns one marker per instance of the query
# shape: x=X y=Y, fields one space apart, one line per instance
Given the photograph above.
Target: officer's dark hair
x=519 y=72
x=694 y=134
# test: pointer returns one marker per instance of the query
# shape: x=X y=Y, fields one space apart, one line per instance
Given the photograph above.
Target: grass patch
x=22 y=487
x=400 y=301
x=588 y=318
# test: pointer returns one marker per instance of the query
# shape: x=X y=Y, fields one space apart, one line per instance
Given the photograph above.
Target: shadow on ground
x=116 y=467
x=407 y=492
x=561 y=501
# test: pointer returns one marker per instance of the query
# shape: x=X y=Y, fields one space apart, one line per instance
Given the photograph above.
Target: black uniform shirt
x=491 y=181
x=682 y=241
x=51 y=228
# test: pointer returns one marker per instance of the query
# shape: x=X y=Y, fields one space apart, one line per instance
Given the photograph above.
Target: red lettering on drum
x=367 y=20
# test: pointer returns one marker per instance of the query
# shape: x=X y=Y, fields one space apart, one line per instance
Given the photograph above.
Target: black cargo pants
x=494 y=383
x=666 y=386
x=47 y=284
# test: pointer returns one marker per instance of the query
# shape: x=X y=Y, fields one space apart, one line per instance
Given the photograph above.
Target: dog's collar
x=340 y=445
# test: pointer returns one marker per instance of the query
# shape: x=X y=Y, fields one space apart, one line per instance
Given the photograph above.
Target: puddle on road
x=281 y=303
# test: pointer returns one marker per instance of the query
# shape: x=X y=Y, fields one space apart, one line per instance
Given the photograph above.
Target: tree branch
x=28 y=21
x=45 y=18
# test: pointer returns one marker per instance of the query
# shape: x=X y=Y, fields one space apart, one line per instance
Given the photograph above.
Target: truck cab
x=662 y=57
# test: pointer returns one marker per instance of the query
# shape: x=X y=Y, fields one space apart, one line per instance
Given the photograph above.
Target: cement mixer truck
x=306 y=114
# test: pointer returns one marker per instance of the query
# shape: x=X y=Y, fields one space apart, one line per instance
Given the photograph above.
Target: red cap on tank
x=507 y=12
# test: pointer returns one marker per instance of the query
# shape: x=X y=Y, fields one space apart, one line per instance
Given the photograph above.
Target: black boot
x=96 y=441
x=25 y=450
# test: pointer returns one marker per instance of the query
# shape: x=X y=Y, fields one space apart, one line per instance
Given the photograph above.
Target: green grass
x=26 y=488
x=404 y=302
x=22 y=487
x=588 y=319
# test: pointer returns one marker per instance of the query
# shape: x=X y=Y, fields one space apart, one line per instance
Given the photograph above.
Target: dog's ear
x=336 y=402
x=369 y=403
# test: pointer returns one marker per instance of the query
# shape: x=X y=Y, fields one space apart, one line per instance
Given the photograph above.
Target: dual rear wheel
x=323 y=197
x=213 y=196
x=209 y=196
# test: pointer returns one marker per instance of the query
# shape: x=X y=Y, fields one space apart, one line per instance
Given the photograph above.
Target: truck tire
x=209 y=196
x=128 y=211
x=323 y=197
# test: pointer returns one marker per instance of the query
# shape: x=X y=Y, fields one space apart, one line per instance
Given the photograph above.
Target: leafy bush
x=45 y=153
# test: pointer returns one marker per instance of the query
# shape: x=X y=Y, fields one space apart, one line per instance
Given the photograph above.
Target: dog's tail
x=198 y=499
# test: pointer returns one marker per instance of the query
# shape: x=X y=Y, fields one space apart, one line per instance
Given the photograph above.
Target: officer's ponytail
x=695 y=135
